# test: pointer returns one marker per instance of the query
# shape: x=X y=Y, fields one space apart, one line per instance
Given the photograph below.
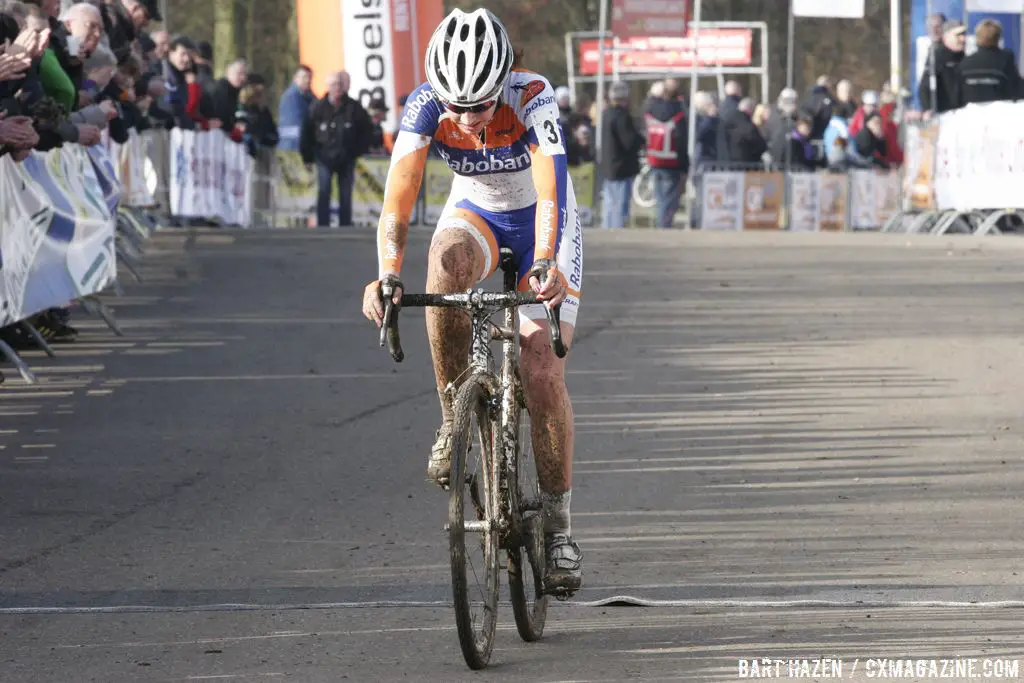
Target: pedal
x=560 y=594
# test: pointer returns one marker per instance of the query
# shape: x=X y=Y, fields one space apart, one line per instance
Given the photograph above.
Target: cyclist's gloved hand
x=373 y=298
x=548 y=282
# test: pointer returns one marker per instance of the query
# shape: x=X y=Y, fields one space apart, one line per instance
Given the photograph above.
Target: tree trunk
x=225 y=35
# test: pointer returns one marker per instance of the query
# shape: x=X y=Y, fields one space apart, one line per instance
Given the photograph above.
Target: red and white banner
x=633 y=18
x=725 y=47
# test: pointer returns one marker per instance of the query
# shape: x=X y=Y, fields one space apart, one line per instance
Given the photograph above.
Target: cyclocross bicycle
x=494 y=498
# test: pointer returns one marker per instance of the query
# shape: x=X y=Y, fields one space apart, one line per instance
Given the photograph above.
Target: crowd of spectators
x=821 y=131
x=69 y=75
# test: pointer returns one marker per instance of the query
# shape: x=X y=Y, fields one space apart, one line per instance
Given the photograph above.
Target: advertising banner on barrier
x=820 y=202
x=583 y=179
x=210 y=177
x=368 y=193
x=919 y=169
x=804 y=211
x=294 y=186
x=862 y=202
x=130 y=160
x=722 y=201
x=833 y=202
x=763 y=194
x=874 y=198
x=437 y=186
x=57 y=231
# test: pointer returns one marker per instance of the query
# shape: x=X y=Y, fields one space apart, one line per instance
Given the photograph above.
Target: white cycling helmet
x=469 y=57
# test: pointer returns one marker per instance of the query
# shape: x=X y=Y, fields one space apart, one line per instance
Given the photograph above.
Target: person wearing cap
x=990 y=74
x=382 y=141
x=946 y=56
x=869 y=102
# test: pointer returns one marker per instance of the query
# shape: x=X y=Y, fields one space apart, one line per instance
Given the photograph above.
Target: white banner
x=841 y=9
x=979 y=162
x=56 y=229
x=996 y=6
x=210 y=177
x=367 y=52
x=130 y=161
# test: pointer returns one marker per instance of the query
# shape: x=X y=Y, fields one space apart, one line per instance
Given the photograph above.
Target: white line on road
x=615 y=600
x=260 y=378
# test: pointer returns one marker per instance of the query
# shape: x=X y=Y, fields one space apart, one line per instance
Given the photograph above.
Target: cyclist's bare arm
x=408 y=161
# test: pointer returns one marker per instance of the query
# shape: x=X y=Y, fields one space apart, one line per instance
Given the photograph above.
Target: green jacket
x=56 y=82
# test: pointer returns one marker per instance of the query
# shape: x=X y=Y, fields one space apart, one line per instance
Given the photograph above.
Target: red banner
x=725 y=47
x=636 y=18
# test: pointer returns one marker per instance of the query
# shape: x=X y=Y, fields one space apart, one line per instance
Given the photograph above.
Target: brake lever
x=389 y=325
x=554 y=322
x=553 y=313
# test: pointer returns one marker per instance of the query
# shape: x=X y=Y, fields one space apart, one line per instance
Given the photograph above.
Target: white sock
x=556 y=512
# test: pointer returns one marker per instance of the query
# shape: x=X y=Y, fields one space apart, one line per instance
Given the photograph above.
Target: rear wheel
x=474 y=551
x=526 y=562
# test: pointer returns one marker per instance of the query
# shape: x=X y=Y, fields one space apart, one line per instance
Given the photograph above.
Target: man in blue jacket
x=294 y=108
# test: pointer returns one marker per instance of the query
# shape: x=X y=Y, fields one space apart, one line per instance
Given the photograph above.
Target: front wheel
x=643 y=189
x=526 y=563
x=472 y=536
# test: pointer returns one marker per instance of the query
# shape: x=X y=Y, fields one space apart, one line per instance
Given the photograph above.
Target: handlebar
x=389 y=329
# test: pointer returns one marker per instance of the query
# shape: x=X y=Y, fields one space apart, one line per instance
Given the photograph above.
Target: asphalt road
x=791 y=446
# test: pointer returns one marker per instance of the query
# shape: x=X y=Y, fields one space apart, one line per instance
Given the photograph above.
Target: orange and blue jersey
x=518 y=162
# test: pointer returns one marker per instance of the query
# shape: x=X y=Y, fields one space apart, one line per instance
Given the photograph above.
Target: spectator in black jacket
x=946 y=55
x=746 y=145
x=177 y=65
x=869 y=148
x=710 y=142
x=620 y=163
x=334 y=135
x=258 y=126
x=990 y=74
x=845 y=106
x=225 y=93
x=733 y=96
x=818 y=106
x=802 y=156
x=122 y=19
x=780 y=125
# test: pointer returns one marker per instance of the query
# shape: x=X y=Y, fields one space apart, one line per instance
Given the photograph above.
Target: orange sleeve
x=403 y=187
